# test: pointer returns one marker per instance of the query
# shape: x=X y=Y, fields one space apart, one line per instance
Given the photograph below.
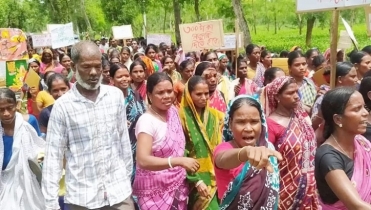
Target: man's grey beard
x=85 y=85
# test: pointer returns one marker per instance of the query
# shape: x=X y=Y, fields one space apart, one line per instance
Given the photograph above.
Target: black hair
x=269 y=74
x=202 y=67
x=364 y=88
x=151 y=46
x=164 y=59
x=105 y=62
x=127 y=49
x=137 y=62
x=61 y=56
x=238 y=103
x=343 y=68
x=250 y=48
x=189 y=54
x=193 y=81
x=47 y=74
x=264 y=53
x=156 y=78
x=240 y=59
x=334 y=102
x=294 y=55
x=367 y=49
x=204 y=57
x=318 y=60
x=356 y=58
x=55 y=77
x=137 y=56
x=310 y=52
x=183 y=65
x=112 y=52
x=9 y=95
x=116 y=66
x=284 y=54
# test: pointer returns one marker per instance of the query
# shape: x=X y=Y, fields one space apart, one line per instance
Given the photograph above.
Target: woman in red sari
x=290 y=131
x=208 y=71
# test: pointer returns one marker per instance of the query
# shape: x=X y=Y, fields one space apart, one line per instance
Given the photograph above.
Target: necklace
x=340 y=146
x=282 y=115
x=158 y=114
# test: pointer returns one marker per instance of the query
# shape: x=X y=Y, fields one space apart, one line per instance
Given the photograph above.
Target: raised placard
x=322 y=5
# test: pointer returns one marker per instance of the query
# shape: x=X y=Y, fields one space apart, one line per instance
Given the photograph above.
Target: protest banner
x=157 y=39
x=122 y=32
x=41 y=40
x=281 y=63
x=13 y=44
x=321 y=5
x=230 y=42
x=50 y=27
x=62 y=36
x=202 y=35
x=12 y=73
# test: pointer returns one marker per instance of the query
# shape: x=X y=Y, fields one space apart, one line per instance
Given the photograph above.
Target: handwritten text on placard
x=41 y=40
x=62 y=36
x=202 y=35
x=317 y=5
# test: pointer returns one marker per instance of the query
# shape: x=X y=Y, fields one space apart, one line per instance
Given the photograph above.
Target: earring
x=340 y=125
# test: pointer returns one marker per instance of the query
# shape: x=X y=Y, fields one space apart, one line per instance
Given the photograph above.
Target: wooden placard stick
x=334 y=43
x=237 y=31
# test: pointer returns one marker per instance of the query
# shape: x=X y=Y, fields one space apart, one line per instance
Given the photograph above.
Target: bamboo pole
x=237 y=27
x=334 y=43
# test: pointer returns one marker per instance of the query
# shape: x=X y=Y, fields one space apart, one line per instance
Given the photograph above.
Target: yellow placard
x=32 y=79
x=281 y=63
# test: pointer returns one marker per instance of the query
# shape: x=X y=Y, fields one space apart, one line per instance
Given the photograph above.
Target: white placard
x=230 y=42
x=122 y=32
x=52 y=26
x=344 y=41
x=349 y=31
x=158 y=39
x=321 y=5
x=62 y=36
x=41 y=40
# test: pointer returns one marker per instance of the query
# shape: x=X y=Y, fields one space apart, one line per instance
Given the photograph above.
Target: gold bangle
x=238 y=154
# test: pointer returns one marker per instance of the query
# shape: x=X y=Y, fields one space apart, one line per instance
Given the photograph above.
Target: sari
x=217 y=101
x=223 y=86
x=248 y=87
x=297 y=146
x=19 y=187
x=50 y=66
x=252 y=189
x=203 y=134
x=361 y=172
x=141 y=89
x=134 y=109
x=166 y=189
x=257 y=75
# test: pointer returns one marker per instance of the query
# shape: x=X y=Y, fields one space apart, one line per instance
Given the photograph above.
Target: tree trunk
x=197 y=10
x=310 y=25
x=300 y=24
x=177 y=20
x=275 y=22
x=244 y=27
x=87 y=21
x=165 y=15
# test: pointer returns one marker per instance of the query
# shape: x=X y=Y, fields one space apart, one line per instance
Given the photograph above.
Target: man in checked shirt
x=88 y=127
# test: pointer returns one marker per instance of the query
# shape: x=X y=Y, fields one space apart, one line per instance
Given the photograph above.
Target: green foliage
x=287 y=38
x=272 y=23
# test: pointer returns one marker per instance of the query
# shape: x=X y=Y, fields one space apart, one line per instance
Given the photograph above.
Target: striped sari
x=203 y=134
x=297 y=146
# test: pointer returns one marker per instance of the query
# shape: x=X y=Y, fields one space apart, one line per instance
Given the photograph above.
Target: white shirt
x=94 y=138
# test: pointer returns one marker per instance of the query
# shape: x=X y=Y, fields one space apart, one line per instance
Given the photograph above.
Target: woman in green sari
x=202 y=126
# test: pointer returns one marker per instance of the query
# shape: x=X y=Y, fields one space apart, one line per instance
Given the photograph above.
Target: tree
x=244 y=27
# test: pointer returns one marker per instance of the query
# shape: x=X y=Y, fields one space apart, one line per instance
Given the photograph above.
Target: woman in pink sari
x=242 y=85
x=160 y=179
x=343 y=161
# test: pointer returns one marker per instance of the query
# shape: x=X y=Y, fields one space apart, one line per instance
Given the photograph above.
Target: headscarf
x=150 y=69
x=58 y=69
x=227 y=132
x=221 y=56
x=247 y=181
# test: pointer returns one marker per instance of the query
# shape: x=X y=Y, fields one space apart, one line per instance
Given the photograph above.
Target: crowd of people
x=126 y=126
